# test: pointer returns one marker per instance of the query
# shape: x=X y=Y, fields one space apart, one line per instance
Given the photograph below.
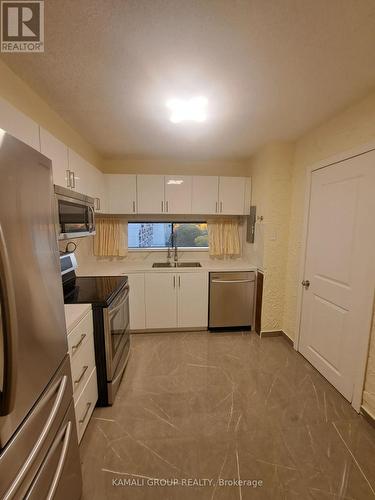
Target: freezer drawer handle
x=88 y=406
x=61 y=385
x=232 y=281
x=75 y=347
x=85 y=368
x=60 y=466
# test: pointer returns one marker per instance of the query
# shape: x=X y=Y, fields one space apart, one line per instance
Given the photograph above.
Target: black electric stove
x=109 y=298
x=97 y=290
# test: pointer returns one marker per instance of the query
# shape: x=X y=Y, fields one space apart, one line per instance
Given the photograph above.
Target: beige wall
x=170 y=166
x=22 y=97
x=270 y=170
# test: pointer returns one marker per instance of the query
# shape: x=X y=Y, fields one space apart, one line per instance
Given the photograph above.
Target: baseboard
x=276 y=333
x=368 y=416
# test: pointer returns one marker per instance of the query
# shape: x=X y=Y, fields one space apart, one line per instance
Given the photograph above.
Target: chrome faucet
x=175 y=255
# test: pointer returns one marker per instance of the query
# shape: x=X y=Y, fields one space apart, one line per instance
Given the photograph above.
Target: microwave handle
x=92 y=219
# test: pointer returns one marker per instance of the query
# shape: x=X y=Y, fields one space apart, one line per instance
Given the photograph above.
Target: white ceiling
x=271 y=69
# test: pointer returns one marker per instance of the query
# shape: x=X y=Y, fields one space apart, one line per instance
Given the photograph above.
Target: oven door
x=116 y=326
x=76 y=218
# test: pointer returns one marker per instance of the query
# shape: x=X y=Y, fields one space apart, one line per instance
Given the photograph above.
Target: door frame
x=363 y=348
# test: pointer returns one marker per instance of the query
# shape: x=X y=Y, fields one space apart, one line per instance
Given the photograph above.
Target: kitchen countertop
x=74 y=313
x=103 y=267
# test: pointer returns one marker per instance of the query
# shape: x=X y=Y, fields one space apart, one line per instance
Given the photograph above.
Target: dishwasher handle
x=232 y=281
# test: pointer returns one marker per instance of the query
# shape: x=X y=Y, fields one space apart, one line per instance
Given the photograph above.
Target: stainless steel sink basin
x=176 y=264
x=188 y=264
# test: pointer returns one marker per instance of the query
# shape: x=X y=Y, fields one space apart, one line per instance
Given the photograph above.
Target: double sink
x=176 y=264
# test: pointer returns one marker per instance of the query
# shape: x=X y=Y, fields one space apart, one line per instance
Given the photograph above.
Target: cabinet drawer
x=78 y=337
x=86 y=404
x=82 y=365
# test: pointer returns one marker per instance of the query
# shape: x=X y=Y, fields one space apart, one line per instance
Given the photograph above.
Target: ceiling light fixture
x=194 y=109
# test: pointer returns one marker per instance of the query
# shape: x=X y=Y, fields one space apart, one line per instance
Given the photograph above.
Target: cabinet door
x=205 y=192
x=161 y=300
x=137 y=301
x=192 y=300
x=19 y=125
x=81 y=169
x=232 y=195
x=122 y=193
x=178 y=194
x=150 y=191
x=58 y=153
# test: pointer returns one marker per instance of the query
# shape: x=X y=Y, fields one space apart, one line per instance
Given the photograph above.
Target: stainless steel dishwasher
x=231 y=299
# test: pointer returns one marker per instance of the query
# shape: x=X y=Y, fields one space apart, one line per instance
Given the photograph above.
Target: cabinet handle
x=174 y=281
x=166 y=206
x=85 y=368
x=162 y=206
x=72 y=179
x=68 y=182
x=81 y=420
x=216 y=207
x=221 y=207
x=133 y=206
x=97 y=200
x=75 y=347
x=179 y=282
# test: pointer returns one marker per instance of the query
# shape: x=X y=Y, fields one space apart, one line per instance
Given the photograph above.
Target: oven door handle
x=111 y=310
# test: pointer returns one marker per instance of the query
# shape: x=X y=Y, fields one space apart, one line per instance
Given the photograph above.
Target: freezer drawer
x=231 y=299
x=59 y=477
x=26 y=451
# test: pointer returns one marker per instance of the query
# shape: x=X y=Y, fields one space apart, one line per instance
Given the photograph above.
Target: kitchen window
x=148 y=235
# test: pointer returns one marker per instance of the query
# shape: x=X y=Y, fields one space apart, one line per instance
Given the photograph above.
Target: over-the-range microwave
x=75 y=212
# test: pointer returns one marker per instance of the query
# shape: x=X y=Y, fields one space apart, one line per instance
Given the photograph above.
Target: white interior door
x=340 y=268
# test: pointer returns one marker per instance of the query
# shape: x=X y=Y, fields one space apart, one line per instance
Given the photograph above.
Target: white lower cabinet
x=82 y=362
x=192 y=291
x=137 y=301
x=176 y=300
x=160 y=300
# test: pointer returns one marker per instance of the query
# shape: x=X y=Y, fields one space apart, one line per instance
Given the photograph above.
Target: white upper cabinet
x=205 y=191
x=98 y=189
x=19 y=125
x=150 y=194
x=122 y=193
x=177 y=194
x=232 y=195
x=56 y=151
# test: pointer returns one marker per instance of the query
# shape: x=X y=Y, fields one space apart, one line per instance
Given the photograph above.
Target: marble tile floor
x=197 y=412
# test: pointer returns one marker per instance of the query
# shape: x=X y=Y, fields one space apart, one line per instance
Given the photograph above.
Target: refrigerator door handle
x=60 y=386
x=66 y=433
x=9 y=325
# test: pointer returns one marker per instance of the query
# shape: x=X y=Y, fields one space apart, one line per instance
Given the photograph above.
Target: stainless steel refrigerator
x=39 y=457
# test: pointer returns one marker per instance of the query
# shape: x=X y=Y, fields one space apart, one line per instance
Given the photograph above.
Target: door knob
x=306 y=283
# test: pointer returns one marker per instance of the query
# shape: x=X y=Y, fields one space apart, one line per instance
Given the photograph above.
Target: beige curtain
x=111 y=237
x=224 y=238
